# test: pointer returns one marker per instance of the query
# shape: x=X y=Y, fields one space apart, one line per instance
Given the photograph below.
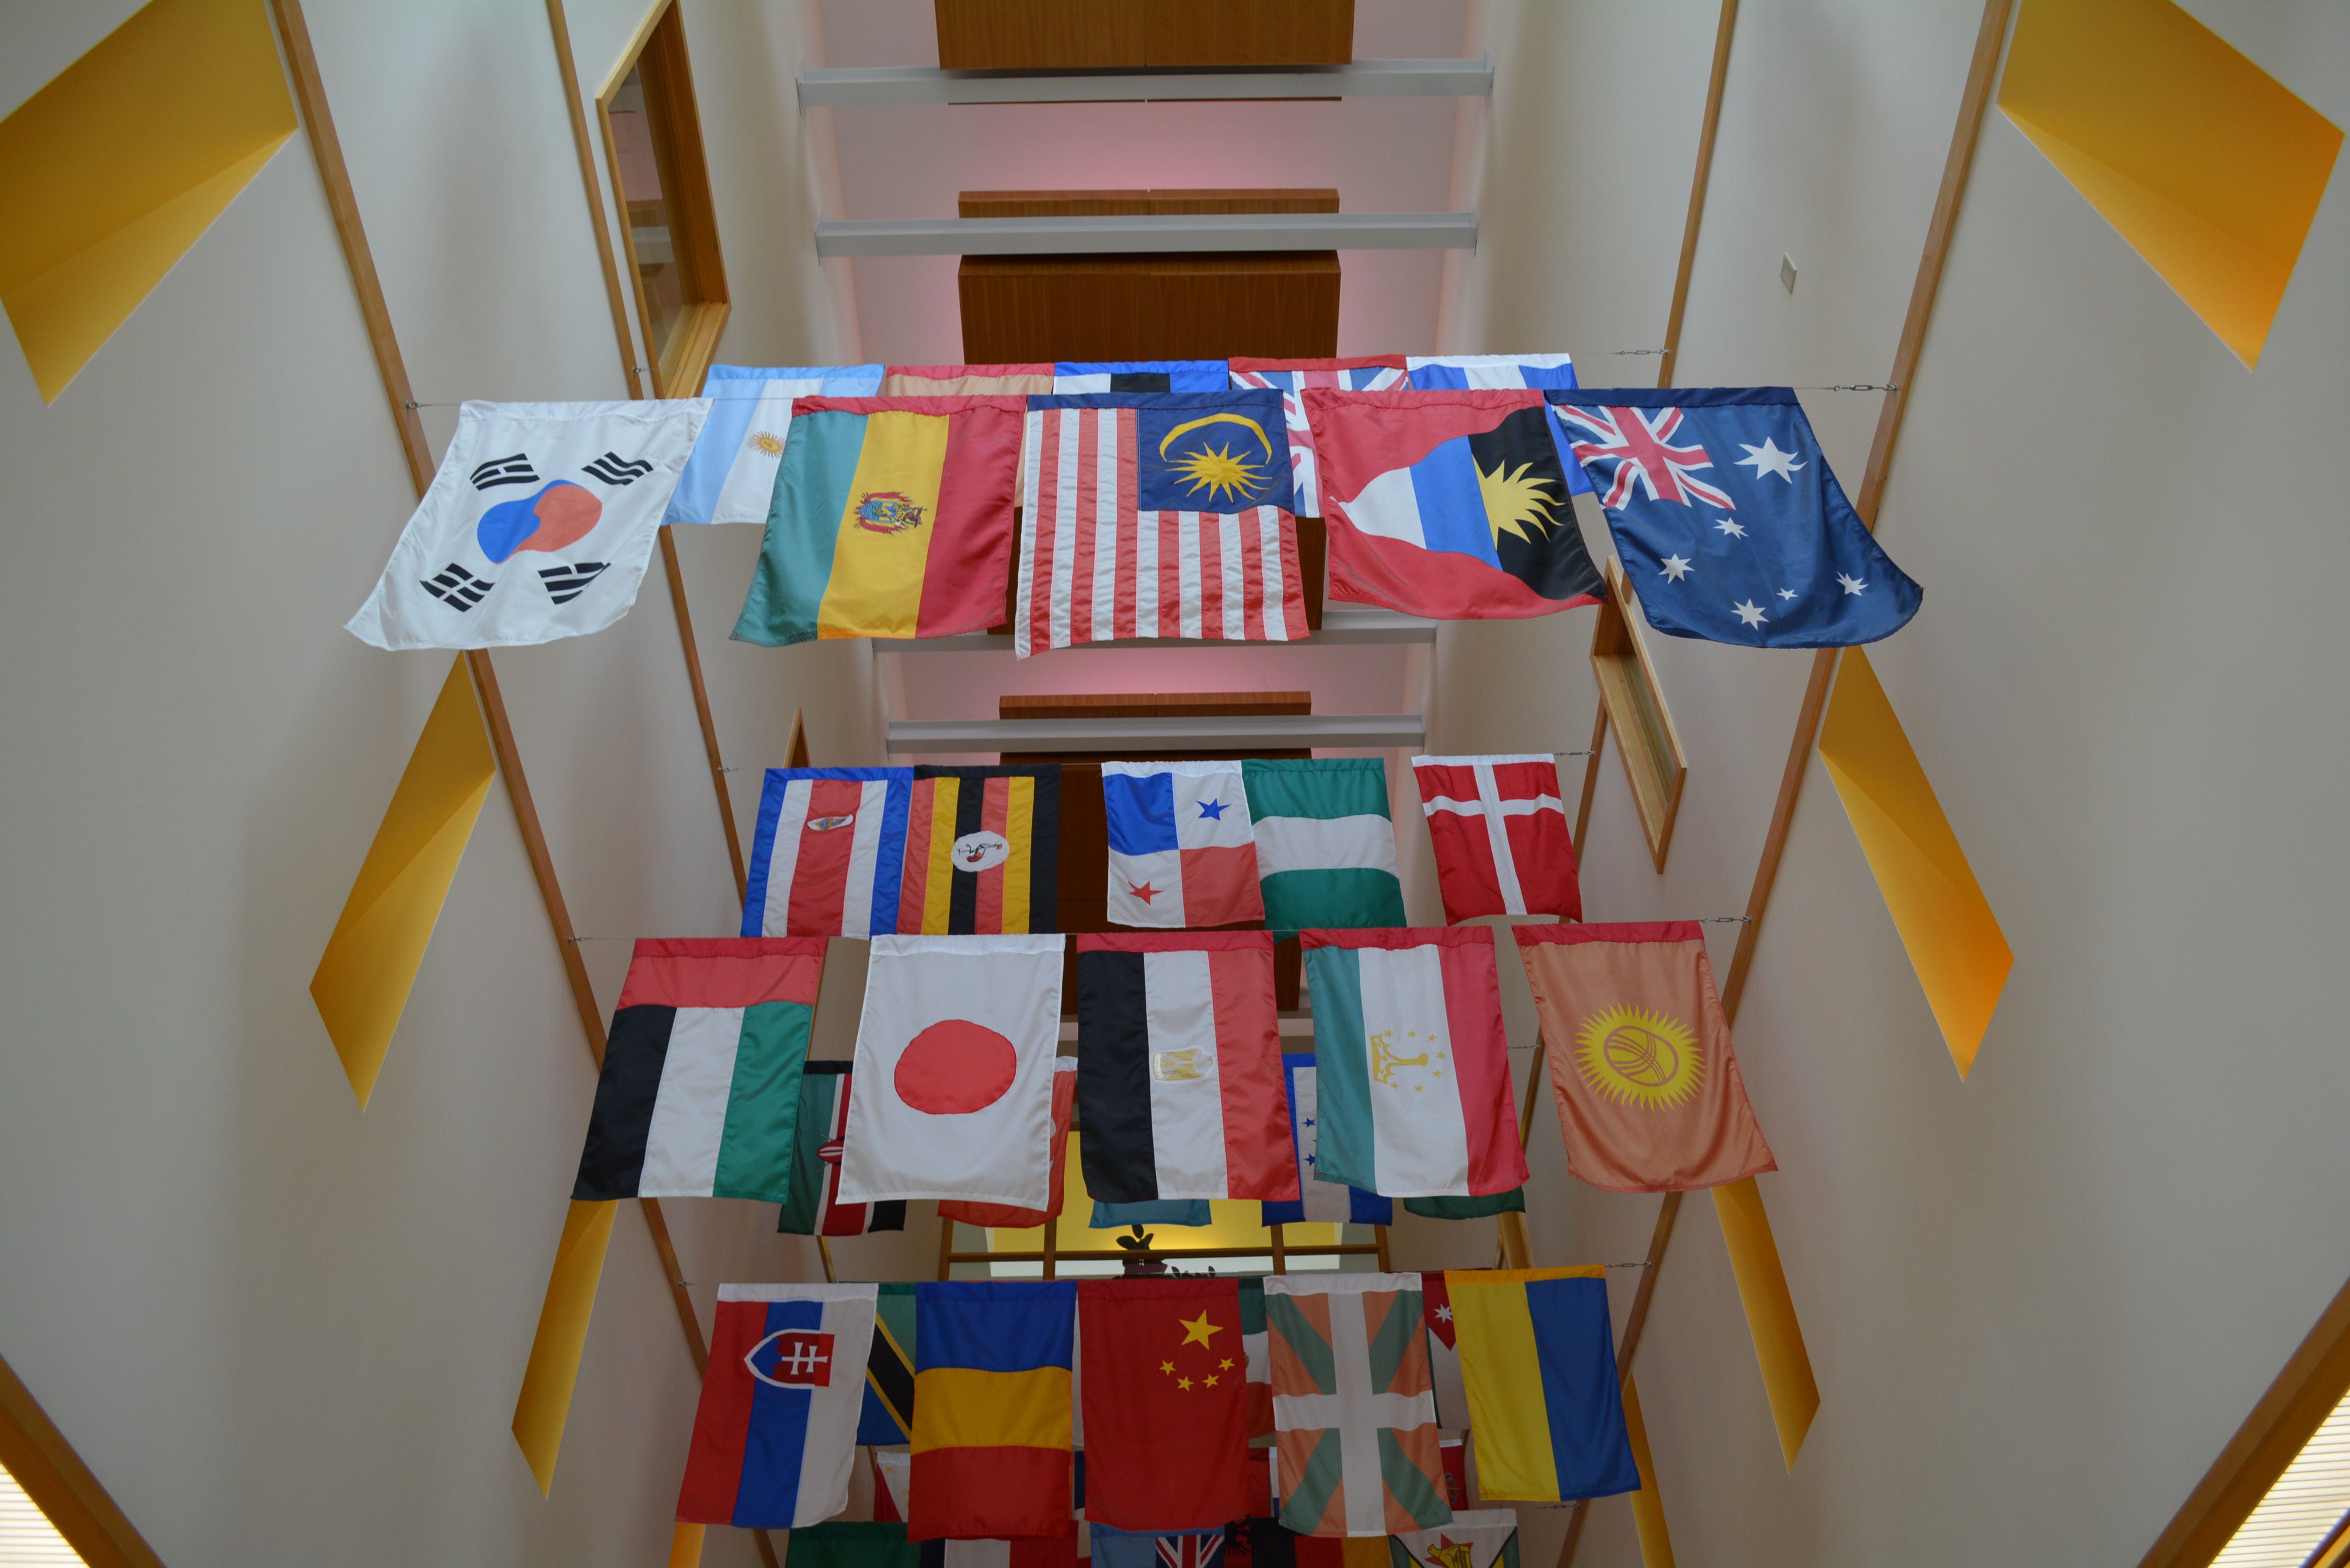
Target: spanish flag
x=891 y=517
x=992 y=1413
x=1538 y=1359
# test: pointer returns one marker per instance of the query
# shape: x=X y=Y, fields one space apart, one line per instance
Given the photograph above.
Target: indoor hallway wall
x=279 y=1330
x=2038 y=1302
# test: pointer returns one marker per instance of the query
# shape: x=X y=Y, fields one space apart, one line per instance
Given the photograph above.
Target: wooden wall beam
x=36 y=1454
x=1723 y=31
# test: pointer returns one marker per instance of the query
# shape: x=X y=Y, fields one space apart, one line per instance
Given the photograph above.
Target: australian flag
x=1730 y=524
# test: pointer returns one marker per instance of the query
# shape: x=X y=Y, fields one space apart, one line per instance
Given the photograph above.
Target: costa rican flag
x=1289 y=376
x=1501 y=835
x=1157 y=515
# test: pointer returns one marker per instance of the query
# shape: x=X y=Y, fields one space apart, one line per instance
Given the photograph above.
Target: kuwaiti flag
x=1500 y=831
x=700 y=1093
x=1451 y=504
x=537 y=526
x=827 y=857
x=1140 y=376
x=1182 y=851
x=1178 y=1067
x=775 y=1437
x=955 y=1071
x=1326 y=852
x=731 y=477
x=1412 y=1063
x=1482 y=1537
x=1354 y=1423
x=1371 y=373
x=1319 y=1200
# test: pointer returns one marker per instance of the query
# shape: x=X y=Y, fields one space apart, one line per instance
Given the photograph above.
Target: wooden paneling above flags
x=1078 y=35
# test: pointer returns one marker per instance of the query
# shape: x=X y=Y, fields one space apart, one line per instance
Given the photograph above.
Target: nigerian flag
x=1325 y=854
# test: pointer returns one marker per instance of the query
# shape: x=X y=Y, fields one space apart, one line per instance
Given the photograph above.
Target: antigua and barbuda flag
x=1370 y=373
x=1449 y=504
x=1503 y=843
x=1141 y=376
x=1480 y=1538
x=731 y=477
x=955 y=1071
x=775 y=1435
x=537 y=526
x=1317 y=1200
x=1730 y=523
x=1157 y=515
x=1182 y=851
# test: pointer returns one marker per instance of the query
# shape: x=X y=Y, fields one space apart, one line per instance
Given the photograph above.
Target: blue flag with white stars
x=1730 y=525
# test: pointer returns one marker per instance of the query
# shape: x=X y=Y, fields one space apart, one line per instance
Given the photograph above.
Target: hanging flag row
x=1156 y=500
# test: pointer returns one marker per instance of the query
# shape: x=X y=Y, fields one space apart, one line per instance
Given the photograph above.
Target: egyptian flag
x=1450 y=505
x=982 y=852
x=812 y=1208
x=1500 y=831
x=1178 y=1067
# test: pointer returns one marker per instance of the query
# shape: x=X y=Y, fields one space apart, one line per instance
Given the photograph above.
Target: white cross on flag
x=1501 y=835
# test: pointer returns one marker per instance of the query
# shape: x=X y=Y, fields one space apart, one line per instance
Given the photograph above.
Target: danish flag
x=1640 y=443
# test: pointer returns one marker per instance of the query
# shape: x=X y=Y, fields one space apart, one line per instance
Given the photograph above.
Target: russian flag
x=775 y=1438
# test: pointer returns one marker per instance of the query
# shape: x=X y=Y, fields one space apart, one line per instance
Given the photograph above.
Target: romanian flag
x=1538 y=1357
x=991 y=1422
x=983 y=852
x=891 y=517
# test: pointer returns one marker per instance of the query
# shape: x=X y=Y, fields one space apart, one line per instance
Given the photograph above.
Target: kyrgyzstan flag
x=1501 y=835
x=1166 y=1403
x=1648 y=1093
x=1178 y=1067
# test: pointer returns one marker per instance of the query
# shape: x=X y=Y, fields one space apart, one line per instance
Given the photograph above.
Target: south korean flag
x=537 y=527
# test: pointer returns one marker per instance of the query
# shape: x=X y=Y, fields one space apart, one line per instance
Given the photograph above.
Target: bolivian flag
x=891 y=517
x=1538 y=1359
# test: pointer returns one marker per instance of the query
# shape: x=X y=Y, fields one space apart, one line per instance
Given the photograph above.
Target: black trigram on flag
x=514 y=469
x=459 y=588
x=614 y=469
x=565 y=583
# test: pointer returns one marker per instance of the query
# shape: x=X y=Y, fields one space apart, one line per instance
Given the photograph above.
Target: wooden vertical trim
x=1590 y=776
x=946 y=1246
x=594 y=185
x=679 y=1294
x=1722 y=32
x=36 y=1454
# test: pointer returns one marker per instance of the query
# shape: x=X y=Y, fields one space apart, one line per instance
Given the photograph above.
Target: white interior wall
x=2038 y=1302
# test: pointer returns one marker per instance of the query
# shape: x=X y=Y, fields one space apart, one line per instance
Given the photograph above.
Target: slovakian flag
x=1538 y=1357
x=982 y=851
x=1166 y=1403
x=1357 y=1428
x=775 y=1435
x=1449 y=504
x=891 y=517
x=1004 y=1216
x=1178 y=1067
x=955 y=1071
x=1730 y=525
x=1181 y=849
x=1157 y=515
x=1319 y=1200
x=888 y=1414
x=1372 y=373
x=992 y=1411
x=1502 y=842
x=1483 y=1538
x=1443 y=1353
x=1412 y=1063
x=1648 y=1088
x=700 y=1091
x=731 y=477
x=1140 y=376
x=814 y=1209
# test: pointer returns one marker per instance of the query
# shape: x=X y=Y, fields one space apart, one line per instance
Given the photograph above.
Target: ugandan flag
x=983 y=852
x=890 y=517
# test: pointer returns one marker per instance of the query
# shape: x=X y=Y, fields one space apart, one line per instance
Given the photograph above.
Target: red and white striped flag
x=1501 y=835
x=1096 y=565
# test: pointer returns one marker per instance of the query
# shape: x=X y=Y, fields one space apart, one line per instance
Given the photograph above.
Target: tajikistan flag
x=1412 y=1064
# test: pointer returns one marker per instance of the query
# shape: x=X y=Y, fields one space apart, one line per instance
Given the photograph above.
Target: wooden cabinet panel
x=1248 y=32
x=1271 y=304
x=1101 y=35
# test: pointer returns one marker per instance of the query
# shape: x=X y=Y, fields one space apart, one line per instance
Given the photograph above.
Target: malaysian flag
x=1157 y=515
x=1289 y=376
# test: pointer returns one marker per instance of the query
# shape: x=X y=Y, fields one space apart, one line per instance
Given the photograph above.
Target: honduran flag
x=1451 y=504
x=1289 y=376
x=1140 y=376
x=731 y=477
x=1178 y=1067
x=1182 y=851
x=1413 y=1063
x=1538 y=1359
x=992 y=1409
x=1319 y=1200
x=814 y=1208
x=700 y=1091
x=890 y=517
x=1157 y=515
x=775 y=1435
x=1499 y=828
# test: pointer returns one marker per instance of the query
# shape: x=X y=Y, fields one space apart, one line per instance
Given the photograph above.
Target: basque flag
x=1501 y=835
x=775 y=1437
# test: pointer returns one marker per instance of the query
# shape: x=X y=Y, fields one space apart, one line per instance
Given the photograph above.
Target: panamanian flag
x=1183 y=850
x=1730 y=525
x=775 y=1435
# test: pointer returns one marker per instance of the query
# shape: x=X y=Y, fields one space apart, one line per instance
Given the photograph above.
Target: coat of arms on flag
x=1500 y=831
x=1355 y=1421
x=1483 y=1538
x=1182 y=849
x=1372 y=373
x=537 y=526
x=775 y=1435
x=1157 y=515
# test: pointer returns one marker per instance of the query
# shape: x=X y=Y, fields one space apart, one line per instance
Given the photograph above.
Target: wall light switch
x=1787 y=273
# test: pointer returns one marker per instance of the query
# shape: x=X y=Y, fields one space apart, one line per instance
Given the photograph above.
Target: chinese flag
x=1166 y=1403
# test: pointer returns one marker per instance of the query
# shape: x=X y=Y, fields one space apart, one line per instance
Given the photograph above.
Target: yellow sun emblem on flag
x=1214 y=469
x=1639 y=1057
x=1516 y=503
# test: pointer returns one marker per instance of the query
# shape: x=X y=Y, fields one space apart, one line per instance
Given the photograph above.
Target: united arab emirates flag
x=1326 y=852
x=700 y=1089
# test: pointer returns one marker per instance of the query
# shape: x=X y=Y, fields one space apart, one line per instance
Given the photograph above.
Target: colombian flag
x=991 y=1422
x=1553 y=1437
x=891 y=517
